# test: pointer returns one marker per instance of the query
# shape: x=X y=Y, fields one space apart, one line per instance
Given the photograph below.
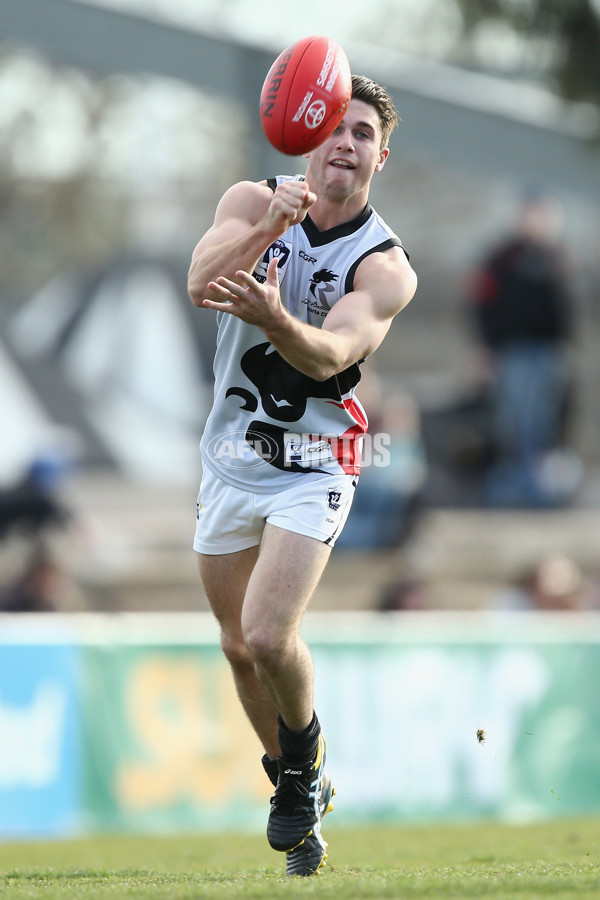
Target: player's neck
x=327 y=214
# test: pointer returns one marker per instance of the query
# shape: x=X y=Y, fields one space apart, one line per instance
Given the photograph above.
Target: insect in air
x=480 y=735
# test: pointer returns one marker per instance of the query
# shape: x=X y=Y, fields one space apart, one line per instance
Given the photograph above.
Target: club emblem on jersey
x=333 y=499
x=280 y=250
x=320 y=286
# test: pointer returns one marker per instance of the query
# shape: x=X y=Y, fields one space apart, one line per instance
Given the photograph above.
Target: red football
x=305 y=94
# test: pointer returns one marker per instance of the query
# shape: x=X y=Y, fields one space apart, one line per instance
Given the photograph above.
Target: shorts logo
x=333 y=499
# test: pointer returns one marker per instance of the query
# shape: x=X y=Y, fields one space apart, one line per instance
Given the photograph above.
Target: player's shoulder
x=247 y=192
x=247 y=200
x=379 y=223
x=388 y=274
x=391 y=256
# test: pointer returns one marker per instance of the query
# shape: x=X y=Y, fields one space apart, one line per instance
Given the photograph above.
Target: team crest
x=333 y=499
x=281 y=250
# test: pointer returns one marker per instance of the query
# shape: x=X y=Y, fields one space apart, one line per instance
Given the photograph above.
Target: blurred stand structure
x=113 y=150
x=117 y=354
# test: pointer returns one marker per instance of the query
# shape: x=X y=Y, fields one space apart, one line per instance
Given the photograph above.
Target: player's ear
x=383 y=155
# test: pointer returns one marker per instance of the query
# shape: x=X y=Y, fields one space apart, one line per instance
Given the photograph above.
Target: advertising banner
x=426 y=718
x=40 y=750
x=167 y=744
x=457 y=730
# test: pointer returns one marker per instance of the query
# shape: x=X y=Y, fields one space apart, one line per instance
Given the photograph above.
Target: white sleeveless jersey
x=271 y=423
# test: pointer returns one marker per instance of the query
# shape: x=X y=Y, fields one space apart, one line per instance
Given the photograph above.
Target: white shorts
x=229 y=519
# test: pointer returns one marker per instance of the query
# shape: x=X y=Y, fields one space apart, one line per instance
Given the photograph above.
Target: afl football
x=305 y=94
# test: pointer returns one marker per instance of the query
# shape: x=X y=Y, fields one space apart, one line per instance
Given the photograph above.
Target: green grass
x=555 y=860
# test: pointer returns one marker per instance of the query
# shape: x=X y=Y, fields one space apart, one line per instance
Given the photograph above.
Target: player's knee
x=264 y=645
x=235 y=649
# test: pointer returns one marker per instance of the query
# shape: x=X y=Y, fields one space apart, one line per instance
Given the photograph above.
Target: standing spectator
x=37 y=588
x=520 y=303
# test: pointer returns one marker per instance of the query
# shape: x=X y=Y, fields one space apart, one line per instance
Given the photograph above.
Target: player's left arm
x=353 y=329
x=383 y=284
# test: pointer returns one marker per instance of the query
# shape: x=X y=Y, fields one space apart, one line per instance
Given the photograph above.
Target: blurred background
x=121 y=124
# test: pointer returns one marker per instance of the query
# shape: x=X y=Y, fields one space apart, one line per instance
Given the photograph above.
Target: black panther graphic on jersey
x=283 y=392
x=282 y=389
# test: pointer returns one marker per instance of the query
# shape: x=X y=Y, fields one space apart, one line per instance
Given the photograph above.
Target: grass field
x=556 y=860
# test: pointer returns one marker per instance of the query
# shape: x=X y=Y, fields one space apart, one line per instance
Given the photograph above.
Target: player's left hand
x=248 y=299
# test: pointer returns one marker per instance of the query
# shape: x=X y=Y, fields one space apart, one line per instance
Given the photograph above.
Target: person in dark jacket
x=522 y=311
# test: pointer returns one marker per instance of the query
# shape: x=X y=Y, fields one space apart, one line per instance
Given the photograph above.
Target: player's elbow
x=196 y=298
x=327 y=367
x=335 y=357
x=196 y=288
x=323 y=373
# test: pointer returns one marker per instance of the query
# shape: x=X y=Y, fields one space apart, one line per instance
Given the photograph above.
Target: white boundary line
x=320 y=629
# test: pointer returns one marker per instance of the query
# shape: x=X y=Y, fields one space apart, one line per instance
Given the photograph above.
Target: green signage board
x=427 y=717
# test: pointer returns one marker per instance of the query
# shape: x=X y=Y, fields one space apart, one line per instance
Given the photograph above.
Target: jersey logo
x=320 y=286
x=280 y=250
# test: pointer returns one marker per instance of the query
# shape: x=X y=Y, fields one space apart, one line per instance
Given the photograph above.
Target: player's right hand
x=290 y=203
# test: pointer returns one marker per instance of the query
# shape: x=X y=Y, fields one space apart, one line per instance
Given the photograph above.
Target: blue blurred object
x=39 y=750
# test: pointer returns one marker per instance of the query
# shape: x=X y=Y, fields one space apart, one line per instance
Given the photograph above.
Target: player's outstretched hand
x=248 y=299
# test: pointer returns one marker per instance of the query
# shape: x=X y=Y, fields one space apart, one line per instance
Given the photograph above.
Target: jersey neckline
x=317 y=238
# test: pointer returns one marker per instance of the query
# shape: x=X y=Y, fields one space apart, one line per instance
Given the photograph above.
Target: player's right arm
x=249 y=217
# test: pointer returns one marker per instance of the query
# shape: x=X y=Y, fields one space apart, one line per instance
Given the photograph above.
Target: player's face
x=345 y=163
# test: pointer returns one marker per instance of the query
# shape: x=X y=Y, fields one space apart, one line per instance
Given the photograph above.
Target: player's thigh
x=225 y=579
x=285 y=576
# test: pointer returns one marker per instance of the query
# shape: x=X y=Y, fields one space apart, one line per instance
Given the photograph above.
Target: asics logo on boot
x=293 y=772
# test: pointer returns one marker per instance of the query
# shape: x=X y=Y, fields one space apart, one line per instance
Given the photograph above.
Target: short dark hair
x=370 y=92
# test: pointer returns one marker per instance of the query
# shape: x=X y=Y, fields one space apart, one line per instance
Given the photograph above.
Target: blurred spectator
x=32 y=504
x=520 y=304
x=31 y=513
x=388 y=496
x=37 y=588
x=556 y=583
x=403 y=595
